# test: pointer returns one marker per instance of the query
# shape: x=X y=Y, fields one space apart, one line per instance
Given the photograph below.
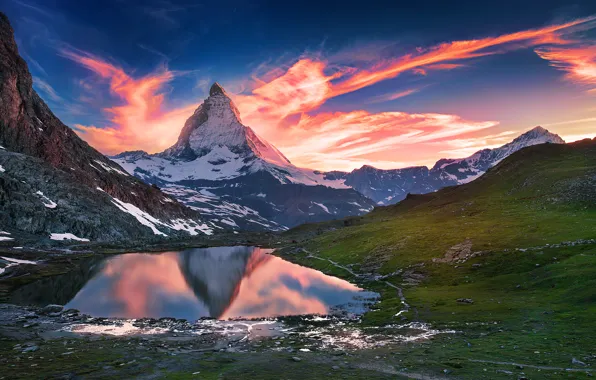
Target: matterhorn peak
x=217 y=89
x=215 y=131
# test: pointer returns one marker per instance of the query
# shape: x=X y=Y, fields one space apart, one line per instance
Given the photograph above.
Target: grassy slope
x=533 y=306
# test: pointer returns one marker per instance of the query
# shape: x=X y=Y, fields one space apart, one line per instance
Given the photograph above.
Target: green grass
x=534 y=306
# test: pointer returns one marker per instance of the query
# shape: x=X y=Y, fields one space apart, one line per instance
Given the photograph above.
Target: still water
x=221 y=282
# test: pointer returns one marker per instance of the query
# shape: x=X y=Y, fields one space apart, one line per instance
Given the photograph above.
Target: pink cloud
x=579 y=62
x=142 y=122
x=283 y=103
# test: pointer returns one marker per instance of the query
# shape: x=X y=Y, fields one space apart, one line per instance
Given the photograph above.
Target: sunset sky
x=333 y=85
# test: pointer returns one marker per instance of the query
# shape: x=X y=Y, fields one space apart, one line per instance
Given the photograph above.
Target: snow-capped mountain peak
x=223 y=169
x=391 y=186
x=216 y=125
x=534 y=136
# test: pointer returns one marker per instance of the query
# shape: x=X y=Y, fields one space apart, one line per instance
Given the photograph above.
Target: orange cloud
x=579 y=62
x=141 y=123
x=303 y=88
x=346 y=140
x=283 y=103
x=393 y=96
x=451 y=51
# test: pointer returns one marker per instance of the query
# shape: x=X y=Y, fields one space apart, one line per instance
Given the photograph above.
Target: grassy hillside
x=515 y=241
x=542 y=194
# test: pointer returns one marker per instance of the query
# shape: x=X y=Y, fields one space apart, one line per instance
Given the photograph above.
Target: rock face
x=76 y=176
x=386 y=187
x=236 y=179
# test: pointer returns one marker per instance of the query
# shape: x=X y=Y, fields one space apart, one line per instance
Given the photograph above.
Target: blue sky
x=244 y=45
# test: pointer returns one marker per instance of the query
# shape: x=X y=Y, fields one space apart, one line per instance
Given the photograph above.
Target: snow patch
x=322 y=206
x=14 y=262
x=188 y=225
x=110 y=169
x=229 y=222
x=66 y=236
x=141 y=216
x=46 y=201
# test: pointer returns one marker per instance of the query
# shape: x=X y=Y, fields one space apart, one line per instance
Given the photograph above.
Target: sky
x=333 y=85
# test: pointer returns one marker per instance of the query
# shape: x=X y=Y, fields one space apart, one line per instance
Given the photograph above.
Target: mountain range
x=219 y=175
x=221 y=168
x=387 y=187
x=236 y=179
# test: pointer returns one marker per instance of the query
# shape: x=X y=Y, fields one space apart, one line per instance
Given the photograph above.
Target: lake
x=221 y=282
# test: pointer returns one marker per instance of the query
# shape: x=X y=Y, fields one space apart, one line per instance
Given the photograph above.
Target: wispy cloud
x=32 y=6
x=454 y=51
x=578 y=61
x=142 y=122
x=163 y=56
x=167 y=12
x=35 y=64
x=281 y=102
x=47 y=89
x=393 y=96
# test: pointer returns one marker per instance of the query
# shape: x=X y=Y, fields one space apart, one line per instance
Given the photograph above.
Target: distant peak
x=539 y=129
x=541 y=133
x=367 y=167
x=216 y=89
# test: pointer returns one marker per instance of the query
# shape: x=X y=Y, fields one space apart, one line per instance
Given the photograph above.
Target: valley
x=502 y=298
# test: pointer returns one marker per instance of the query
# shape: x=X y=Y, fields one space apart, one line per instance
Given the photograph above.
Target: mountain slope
x=391 y=186
x=28 y=127
x=538 y=195
x=233 y=177
x=507 y=260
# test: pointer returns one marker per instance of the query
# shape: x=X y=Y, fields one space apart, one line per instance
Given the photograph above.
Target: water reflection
x=223 y=282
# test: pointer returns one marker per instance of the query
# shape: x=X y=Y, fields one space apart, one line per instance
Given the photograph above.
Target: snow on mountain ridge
x=393 y=185
x=215 y=145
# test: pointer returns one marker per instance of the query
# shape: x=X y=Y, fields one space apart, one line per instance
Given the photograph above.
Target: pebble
x=577 y=362
x=296 y=359
x=31 y=349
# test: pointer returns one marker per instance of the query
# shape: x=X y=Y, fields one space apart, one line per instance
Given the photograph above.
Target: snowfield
x=66 y=236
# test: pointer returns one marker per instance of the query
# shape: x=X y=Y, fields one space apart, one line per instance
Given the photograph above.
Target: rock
x=335 y=367
x=296 y=359
x=465 y=300
x=504 y=371
x=577 y=362
x=50 y=309
x=31 y=349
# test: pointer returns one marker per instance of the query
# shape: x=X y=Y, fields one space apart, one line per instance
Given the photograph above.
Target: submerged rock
x=49 y=309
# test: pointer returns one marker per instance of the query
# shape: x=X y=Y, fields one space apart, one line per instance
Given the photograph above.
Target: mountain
x=215 y=274
x=53 y=183
x=391 y=186
x=513 y=248
x=236 y=179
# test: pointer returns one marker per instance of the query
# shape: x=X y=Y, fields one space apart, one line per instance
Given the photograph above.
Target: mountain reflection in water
x=223 y=282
